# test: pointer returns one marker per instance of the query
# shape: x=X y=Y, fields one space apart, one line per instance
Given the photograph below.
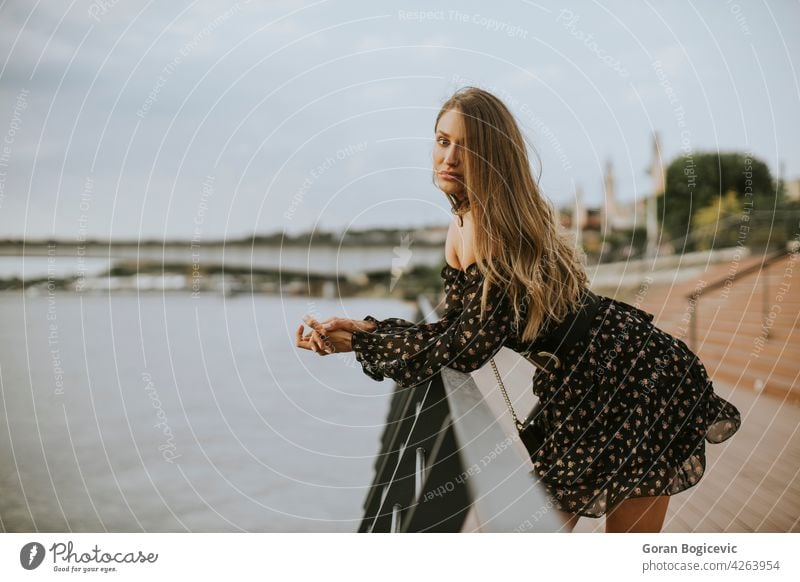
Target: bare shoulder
x=458 y=246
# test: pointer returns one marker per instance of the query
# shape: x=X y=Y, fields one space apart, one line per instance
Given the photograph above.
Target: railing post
x=761 y=267
x=766 y=329
x=695 y=299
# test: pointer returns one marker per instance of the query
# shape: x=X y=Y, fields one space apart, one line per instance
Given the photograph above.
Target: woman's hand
x=351 y=325
x=335 y=334
x=324 y=344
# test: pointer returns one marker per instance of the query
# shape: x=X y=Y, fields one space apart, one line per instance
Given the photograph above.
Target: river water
x=160 y=412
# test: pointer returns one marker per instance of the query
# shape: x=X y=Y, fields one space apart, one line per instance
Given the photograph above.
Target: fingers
x=300 y=340
x=339 y=323
x=321 y=341
x=318 y=336
x=330 y=324
x=314 y=324
x=336 y=324
x=303 y=341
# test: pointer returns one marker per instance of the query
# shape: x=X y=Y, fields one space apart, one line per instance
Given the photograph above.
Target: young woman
x=627 y=407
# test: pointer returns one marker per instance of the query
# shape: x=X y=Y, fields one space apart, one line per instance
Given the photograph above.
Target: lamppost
x=651 y=219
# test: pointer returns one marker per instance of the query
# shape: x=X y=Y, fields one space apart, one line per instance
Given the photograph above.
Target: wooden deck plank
x=753 y=509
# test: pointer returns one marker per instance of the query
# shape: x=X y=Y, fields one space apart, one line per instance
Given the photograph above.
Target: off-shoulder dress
x=627 y=414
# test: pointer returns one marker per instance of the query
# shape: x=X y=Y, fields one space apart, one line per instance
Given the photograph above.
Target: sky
x=182 y=119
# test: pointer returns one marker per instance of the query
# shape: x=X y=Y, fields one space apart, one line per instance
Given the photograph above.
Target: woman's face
x=448 y=153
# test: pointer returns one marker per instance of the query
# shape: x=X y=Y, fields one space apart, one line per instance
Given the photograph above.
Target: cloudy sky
x=179 y=119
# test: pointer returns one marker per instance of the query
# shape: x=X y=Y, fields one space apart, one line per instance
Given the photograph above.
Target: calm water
x=166 y=413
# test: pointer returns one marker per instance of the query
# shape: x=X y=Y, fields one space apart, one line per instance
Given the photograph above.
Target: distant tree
x=699 y=184
x=716 y=224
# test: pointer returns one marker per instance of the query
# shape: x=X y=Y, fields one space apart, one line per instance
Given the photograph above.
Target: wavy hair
x=517 y=242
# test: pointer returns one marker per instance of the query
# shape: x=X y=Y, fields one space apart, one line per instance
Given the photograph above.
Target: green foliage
x=714 y=225
x=715 y=186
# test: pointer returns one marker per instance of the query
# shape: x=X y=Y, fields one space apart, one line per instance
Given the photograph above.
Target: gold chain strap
x=518 y=424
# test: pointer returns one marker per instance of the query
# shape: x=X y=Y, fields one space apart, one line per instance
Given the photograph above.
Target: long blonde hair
x=517 y=243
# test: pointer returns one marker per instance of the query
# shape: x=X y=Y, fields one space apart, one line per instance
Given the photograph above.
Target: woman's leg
x=638 y=514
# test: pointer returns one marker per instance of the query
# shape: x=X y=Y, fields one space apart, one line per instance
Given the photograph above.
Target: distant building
x=658 y=188
x=793 y=190
x=614 y=215
x=432 y=235
x=610 y=212
x=591 y=226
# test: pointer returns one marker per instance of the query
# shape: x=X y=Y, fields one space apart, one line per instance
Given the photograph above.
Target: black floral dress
x=627 y=414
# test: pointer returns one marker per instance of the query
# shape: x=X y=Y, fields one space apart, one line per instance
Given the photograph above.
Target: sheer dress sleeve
x=410 y=353
x=453 y=292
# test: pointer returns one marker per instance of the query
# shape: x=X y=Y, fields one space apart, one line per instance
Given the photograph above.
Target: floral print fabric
x=627 y=414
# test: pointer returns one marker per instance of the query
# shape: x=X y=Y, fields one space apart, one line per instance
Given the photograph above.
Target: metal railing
x=695 y=296
x=444 y=454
